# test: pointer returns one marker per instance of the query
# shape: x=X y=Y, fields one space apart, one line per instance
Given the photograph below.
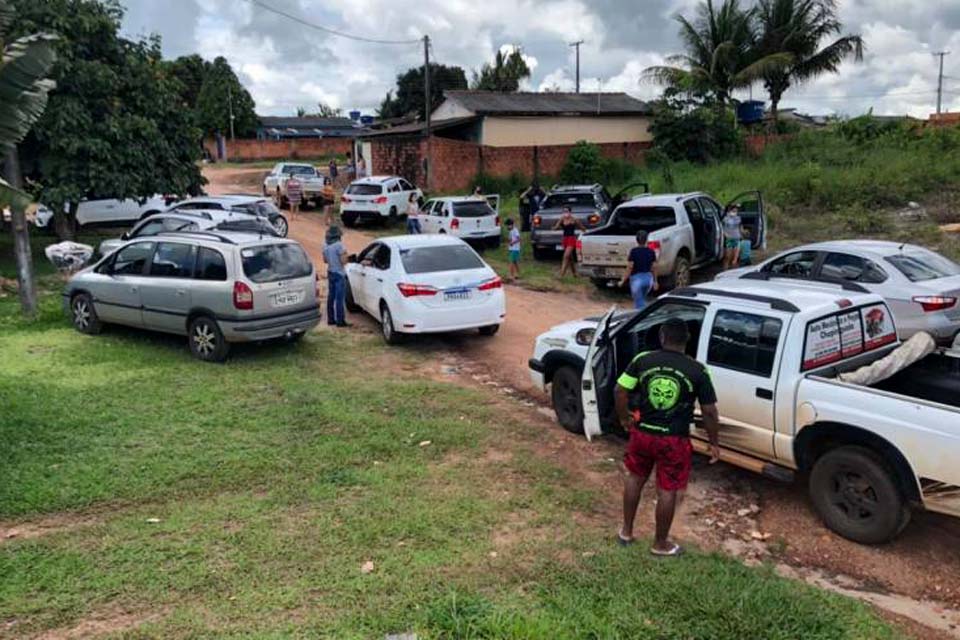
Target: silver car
x=921 y=287
x=216 y=288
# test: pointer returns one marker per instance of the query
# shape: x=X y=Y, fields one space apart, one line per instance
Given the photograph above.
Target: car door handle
x=181 y=292
x=765 y=394
x=363 y=275
x=379 y=279
x=133 y=289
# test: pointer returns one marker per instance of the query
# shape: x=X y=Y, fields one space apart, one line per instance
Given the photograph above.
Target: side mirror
x=352 y=258
x=125 y=236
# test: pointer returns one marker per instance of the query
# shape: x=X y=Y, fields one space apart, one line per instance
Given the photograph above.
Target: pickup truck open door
x=754 y=216
x=596 y=376
x=623 y=195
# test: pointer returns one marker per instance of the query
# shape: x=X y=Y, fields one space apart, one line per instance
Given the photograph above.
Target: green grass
x=276 y=476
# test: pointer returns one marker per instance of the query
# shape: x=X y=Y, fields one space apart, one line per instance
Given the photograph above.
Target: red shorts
x=569 y=242
x=673 y=456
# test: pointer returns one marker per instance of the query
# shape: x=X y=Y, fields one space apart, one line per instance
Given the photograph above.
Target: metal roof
x=416 y=128
x=306 y=122
x=558 y=104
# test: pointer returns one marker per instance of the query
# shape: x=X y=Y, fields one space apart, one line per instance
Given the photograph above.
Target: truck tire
x=600 y=283
x=857 y=496
x=539 y=253
x=567 y=402
x=681 y=272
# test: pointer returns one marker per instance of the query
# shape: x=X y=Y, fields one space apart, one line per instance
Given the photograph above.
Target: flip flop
x=624 y=542
x=676 y=550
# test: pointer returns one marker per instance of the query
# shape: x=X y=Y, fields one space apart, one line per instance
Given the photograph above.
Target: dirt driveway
x=916 y=578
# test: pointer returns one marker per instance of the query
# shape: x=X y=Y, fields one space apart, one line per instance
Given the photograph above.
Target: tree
x=323 y=111
x=685 y=127
x=24 y=87
x=796 y=28
x=504 y=74
x=408 y=99
x=719 y=56
x=190 y=71
x=115 y=126
x=220 y=93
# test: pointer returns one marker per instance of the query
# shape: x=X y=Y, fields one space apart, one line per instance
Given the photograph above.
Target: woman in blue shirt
x=640 y=271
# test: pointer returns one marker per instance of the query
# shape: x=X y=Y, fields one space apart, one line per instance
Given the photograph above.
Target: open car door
x=494 y=202
x=596 y=382
x=621 y=196
x=753 y=215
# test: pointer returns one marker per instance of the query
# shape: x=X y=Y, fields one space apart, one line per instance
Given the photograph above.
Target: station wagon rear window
x=444 y=258
x=847 y=333
x=272 y=262
x=472 y=209
x=364 y=189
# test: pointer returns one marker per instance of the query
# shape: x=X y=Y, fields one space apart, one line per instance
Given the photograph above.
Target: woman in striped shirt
x=294 y=196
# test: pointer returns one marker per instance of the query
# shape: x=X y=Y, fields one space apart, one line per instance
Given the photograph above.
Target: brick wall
x=240 y=150
x=456 y=163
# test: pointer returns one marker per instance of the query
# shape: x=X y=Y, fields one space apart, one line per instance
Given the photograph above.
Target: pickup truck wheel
x=540 y=253
x=567 y=403
x=349 y=301
x=857 y=496
x=681 y=272
x=600 y=283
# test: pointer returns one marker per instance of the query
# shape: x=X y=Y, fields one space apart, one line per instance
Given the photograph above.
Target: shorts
x=672 y=455
x=569 y=242
x=731 y=243
x=514 y=255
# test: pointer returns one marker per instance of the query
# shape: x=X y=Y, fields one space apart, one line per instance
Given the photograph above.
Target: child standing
x=513 y=249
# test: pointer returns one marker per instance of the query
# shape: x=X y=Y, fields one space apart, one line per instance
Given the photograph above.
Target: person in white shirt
x=513 y=249
x=413 y=215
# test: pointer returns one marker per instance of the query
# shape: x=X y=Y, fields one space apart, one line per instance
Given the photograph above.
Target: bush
x=861 y=220
x=584 y=165
x=694 y=133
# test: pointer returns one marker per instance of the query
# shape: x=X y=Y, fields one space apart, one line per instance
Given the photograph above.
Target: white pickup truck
x=316 y=187
x=684 y=229
x=776 y=351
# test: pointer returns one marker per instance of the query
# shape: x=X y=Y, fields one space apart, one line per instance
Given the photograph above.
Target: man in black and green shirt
x=655 y=399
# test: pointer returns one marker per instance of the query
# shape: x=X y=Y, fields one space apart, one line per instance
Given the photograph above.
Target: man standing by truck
x=655 y=399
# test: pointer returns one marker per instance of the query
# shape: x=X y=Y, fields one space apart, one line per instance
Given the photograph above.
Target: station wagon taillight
x=380 y=200
x=242 y=296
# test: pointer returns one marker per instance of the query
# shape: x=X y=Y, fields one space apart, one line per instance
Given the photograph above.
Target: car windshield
x=271 y=262
x=444 y=258
x=476 y=209
x=920 y=264
x=364 y=189
x=299 y=170
x=557 y=200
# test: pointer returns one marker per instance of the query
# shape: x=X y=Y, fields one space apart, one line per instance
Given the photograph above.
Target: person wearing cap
x=655 y=399
x=731 y=237
x=335 y=256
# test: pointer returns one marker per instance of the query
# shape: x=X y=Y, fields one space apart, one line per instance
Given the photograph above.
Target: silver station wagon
x=215 y=288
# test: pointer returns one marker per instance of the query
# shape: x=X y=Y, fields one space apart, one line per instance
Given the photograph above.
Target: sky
x=286 y=65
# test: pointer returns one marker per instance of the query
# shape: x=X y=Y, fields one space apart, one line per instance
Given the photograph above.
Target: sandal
x=675 y=550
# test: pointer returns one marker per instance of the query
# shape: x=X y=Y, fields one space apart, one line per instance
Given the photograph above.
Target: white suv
x=108 y=212
x=377 y=198
x=471 y=218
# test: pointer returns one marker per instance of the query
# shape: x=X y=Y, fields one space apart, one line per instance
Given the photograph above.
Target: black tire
x=281 y=226
x=281 y=200
x=266 y=193
x=495 y=243
x=567 y=402
x=350 y=303
x=84 y=315
x=387 y=330
x=392 y=217
x=600 y=283
x=681 y=272
x=540 y=253
x=857 y=496
x=349 y=220
x=489 y=330
x=206 y=340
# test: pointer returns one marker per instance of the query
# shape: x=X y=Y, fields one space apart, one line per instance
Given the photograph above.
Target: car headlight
x=585 y=336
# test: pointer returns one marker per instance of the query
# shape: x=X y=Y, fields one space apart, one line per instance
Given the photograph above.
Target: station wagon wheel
x=857 y=495
x=85 y=319
x=390 y=335
x=206 y=340
x=567 y=401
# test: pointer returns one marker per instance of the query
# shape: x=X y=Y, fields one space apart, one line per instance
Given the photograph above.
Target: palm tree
x=719 y=55
x=796 y=27
x=24 y=66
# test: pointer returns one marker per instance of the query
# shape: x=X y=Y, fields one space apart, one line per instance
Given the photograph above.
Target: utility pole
x=426 y=108
x=576 y=45
x=230 y=105
x=940 y=54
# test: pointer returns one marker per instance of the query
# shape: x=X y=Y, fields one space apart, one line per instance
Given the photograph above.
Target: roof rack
x=194 y=234
x=846 y=285
x=775 y=303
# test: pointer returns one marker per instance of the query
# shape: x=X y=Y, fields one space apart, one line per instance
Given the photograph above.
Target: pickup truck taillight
x=496 y=221
x=380 y=200
x=935 y=303
x=455 y=223
x=242 y=296
x=593 y=219
x=537 y=220
x=655 y=245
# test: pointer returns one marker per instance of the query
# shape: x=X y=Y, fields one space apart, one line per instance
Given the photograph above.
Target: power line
x=334 y=32
x=874 y=95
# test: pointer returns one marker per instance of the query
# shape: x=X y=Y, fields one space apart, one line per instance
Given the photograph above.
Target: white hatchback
x=471 y=218
x=377 y=199
x=425 y=284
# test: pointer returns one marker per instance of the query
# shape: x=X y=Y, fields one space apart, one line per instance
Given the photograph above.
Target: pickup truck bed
x=936 y=378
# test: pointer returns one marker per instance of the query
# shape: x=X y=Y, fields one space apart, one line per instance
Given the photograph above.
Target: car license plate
x=558 y=247
x=287 y=298
x=460 y=294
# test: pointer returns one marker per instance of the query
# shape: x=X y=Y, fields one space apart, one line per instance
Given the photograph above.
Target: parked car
x=684 y=230
x=215 y=288
x=921 y=287
x=471 y=218
x=425 y=284
x=591 y=204
x=317 y=188
x=191 y=220
x=376 y=199
x=774 y=352
x=108 y=212
x=238 y=203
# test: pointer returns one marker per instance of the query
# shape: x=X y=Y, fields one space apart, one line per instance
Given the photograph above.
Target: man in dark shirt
x=655 y=398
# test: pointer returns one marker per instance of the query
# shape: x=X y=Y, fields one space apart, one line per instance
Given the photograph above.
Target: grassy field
x=325 y=489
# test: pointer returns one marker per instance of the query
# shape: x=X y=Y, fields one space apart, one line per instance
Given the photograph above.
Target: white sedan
x=425 y=284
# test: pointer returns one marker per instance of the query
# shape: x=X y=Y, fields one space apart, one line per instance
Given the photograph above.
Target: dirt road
x=917 y=577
